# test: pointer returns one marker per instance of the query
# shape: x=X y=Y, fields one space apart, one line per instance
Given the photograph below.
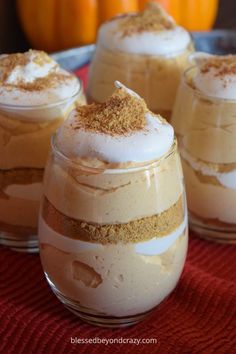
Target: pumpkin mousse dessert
x=204 y=118
x=113 y=227
x=35 y=97
x=147 y=51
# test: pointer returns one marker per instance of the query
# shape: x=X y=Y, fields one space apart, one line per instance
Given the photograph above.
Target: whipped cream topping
x=166 y=40
x=216 y=76
x=226 y=179
x=33 y=78
x=149 y=143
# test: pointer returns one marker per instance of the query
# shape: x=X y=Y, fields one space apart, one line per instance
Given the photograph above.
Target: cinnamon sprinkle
x=152 y=19
x=9 y=62
x=121 y=114
x=224 y=65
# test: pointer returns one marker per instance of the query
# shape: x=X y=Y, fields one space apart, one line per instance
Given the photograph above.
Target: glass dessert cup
x=154 y=77
x=113 y=242
x=205 y=129
x=24 y=144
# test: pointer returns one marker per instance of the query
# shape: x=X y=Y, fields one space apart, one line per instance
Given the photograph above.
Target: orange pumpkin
x=194 y=15
x=58 y=24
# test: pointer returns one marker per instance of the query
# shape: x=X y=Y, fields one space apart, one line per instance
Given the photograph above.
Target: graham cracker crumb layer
x=215 y=222
x=121 y=114
x=9 y=62
x=216 y=167
x=224 y=65
x=20 y=176
x=152 y=19
x=207 y=179
x=135 y=231
x=19 y=231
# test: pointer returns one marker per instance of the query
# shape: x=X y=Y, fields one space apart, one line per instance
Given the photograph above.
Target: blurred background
x=58 y=24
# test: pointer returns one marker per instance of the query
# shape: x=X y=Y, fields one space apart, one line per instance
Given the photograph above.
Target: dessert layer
x=96 y=196
x=19 y=209
x=134 y=231
x=213 y=223
x=221 y=174
x=151 y=32
x=20 y=176
x=17 y=232
x=120 y=130
x=216 y=76
x=209 y=200
x=16 y=136
x=20 y=193
x=114 y=279
x=152 y=247
x=212 y=123
x=146 y=75
x=33 y=78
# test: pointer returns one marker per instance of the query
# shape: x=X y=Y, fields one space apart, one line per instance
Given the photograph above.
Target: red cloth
x=198 y=317
x=83 y=75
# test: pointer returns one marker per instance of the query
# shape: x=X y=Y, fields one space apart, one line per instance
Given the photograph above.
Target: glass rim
x=196 y=91
x=78 y=91
x=145 y=166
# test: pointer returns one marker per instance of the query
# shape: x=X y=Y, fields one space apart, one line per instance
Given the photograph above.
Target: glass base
x=216 y=233
x=92 y=316
x=19 y=243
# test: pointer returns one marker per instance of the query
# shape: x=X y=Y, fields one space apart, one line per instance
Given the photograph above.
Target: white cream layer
x=141 y=146
x=213 y=82
x=28 y=73
x=159 y=245
x=25 y=191
x=226 y=179
x=166 y=42
x=155 y=246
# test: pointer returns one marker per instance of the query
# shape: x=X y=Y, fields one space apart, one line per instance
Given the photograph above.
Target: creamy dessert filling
x=114 y=280
x=113 y=225
x=35 y=97
x=128 y=148
x=147 y=51
x=218 y=174
x=204 y=120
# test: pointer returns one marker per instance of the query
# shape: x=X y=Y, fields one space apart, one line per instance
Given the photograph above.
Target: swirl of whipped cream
x=147 y=43
x=152 y=32
x=33 y=78
x=138 y=146
x=216 y=76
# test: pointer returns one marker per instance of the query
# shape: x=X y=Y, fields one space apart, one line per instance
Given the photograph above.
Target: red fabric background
x=198 y=317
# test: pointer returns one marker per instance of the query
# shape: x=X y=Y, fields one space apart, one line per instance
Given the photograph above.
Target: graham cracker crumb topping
x=223 y=65
x=12 y=62
x=152 y=19
x=121 y=114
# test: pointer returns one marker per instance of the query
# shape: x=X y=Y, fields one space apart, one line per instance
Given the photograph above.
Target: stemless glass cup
x=113 y=242
x=206 y=132
x=154 y=77
x=25 y=133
